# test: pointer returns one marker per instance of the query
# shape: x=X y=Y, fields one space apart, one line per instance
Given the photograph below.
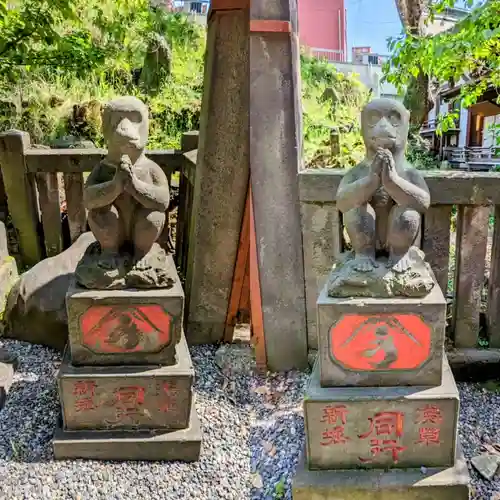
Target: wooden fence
x=476 y=197
x=31 y=178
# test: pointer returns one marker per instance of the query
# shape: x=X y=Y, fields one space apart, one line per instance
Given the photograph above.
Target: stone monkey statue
x=383 y=197
x=127 y=194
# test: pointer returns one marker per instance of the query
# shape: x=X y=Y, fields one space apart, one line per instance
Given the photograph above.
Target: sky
x=371 y=22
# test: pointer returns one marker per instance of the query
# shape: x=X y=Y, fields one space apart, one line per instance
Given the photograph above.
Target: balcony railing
x=430 y=126
x=473 y=158
x=328 y=54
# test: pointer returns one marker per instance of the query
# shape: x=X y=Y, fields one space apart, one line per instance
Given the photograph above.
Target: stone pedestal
x=114 y=327
x=126 y=379
x=409 y=331
x=382 y=404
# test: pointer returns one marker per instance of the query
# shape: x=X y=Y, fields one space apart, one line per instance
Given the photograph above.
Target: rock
x=8 y=363
x=154 y=270
x=345 y=281
x=36 y=306
x=235 y=360
x=486 y=465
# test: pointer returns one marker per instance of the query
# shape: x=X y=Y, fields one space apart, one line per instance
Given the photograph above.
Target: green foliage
x=330 y=101
x=472 y=49
x=69 y=64
x=419 y=154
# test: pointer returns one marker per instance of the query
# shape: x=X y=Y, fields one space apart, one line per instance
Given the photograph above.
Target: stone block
x=381 y=427
x=396 y=484
x=381 y=341
x=127 y=397
x=113 y=327
x=183 y=444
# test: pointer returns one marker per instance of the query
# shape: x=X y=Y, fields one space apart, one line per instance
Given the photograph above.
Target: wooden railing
x=476 y=197
x=34 y=195
x=473 y=158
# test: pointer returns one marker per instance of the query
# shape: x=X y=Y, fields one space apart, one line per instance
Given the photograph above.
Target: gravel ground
x=253 y=433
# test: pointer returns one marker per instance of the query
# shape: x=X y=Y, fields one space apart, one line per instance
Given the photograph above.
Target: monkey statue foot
x=400 y=263
x=364 y=263
x=407 y=275
x=105 y=271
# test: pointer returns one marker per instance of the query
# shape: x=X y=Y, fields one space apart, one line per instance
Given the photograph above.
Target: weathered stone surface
x=126 y=196
x=181 y=444
x=155 y=270
x=36 y=306
x=395 y=484
x=7 y=367
x=127 y=397
x=486 y=464
x=382 y=199
x=345 y=281
x=381 y=342
x=381 y=427
x=221 y=177
x=111 y=327
x=235 y=360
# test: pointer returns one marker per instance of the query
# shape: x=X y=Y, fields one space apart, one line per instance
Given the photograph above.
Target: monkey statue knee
x=383 y=197
x=122 y=190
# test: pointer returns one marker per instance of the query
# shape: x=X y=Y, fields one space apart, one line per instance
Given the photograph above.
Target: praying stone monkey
x=383 y=197
x=127 y=194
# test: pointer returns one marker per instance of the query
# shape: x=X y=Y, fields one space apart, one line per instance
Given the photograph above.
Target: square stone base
x=381 y=341
x=396 y=484
x=127 y=397
x=183 y=444
x=381 y=427
x=114 y=327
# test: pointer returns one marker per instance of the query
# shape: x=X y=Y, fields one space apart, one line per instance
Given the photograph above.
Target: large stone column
x=221 y=174
x=275 y=159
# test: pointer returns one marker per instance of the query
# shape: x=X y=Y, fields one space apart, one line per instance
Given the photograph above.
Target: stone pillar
x=275 y=159
x=221 y=175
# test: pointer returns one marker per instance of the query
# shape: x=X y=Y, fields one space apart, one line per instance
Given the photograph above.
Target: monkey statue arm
x=155 y=196
x=407 y=191
x=98 y=193
x=358 y=186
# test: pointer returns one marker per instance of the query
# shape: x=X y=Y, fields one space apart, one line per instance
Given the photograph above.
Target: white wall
x=464 y=124
x=370 y=76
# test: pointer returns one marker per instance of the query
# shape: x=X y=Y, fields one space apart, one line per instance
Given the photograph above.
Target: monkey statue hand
x=377 y=165
x=389 y=169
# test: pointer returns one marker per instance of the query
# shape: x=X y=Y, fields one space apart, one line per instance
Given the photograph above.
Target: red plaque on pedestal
x=381 y=342
x=120 y=329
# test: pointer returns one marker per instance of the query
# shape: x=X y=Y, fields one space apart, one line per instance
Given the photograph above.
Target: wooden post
x=221 y=180
x=275 y=161
x=20 y=193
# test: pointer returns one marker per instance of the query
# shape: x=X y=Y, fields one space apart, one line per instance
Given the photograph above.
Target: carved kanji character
x=331 y=414
x=334 y=435
x=429 y=435
x=385 y=423
x=379 y=446
x=84 y=388
x=429 y=414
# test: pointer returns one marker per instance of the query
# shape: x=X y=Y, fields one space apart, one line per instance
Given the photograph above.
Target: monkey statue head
x=125 y=123
x=385 y=124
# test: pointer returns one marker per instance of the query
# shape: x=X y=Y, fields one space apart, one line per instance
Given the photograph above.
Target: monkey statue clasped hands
x=382 y=200
x=127 y=196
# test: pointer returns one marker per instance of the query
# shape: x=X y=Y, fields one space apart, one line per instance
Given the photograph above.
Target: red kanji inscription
x=429 y=414
x=380 y=343
x=334 y=435
x=84 y=390
x=390 y=424
x=119 y=329
x=378 y=446
x=128 y=401
x=429 y=435
x=385 y=424
x=170 y=393
x=331 y=414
